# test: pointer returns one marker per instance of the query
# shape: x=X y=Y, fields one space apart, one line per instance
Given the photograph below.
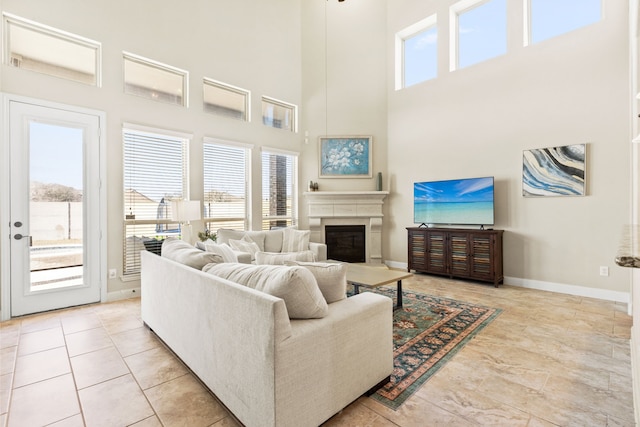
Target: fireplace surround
x=348 y=208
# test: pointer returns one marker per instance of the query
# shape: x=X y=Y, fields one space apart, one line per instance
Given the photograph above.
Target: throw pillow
x=295 y=285
x=295 y=240
x=224 y=235
x=245 y=245
x=274 y=258
x=223 y=250
x=182 y=252
x=331 y=278
x=202 y=245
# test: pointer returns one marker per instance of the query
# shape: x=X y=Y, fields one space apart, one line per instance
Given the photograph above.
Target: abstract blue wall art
x=345 y=157
x=554 y=171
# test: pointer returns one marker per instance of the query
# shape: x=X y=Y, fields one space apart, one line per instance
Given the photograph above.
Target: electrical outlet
x=604 y=271
x=113 y=273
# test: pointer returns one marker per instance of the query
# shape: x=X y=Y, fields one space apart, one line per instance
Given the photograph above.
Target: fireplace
x=348 y=208
x=346 y=242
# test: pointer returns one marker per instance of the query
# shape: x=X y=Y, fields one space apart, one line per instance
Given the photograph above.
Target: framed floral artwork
x=345 y=156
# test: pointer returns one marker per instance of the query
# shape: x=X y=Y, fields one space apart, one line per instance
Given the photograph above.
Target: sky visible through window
x=482 y=33
x=56 y=155
x=550 y=18
x=421 y=56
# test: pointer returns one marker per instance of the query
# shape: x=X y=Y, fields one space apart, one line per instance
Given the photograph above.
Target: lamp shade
x=185 y=210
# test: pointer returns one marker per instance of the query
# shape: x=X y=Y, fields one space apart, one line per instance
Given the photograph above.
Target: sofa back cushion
x=225 y=234
x=182 y=252
x=295 y=240
x=276 y=258
x=331 y=278
x=295 y=285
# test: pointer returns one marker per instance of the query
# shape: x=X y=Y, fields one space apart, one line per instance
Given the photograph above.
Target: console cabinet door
x=482 y=254
x=417 y=250
x=437 y=253
x=459 y=259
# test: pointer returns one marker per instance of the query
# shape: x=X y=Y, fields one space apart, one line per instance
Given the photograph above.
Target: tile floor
x=547 y=360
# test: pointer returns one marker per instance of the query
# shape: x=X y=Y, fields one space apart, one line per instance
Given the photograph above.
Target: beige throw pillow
x=223 y=250
x=331 y=278
x=245 y=245
x=274 y=258
x=295 y=240
x=295 y=285
x=182 y=252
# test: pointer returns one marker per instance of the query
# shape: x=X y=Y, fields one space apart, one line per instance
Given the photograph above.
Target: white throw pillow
x=275 y=258
x=245 y=245
x=295 y=285
x=295 y=240
x=184 y=253
x=331 y=278
x=223 y=250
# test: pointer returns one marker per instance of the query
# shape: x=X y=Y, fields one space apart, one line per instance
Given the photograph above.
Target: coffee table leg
x=399 y=295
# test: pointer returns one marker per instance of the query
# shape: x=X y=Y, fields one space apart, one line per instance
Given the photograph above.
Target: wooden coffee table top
x=373 y=276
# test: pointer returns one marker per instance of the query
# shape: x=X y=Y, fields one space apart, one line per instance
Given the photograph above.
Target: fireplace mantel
x=348 y=208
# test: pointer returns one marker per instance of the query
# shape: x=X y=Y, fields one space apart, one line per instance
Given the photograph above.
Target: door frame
x=5 y=191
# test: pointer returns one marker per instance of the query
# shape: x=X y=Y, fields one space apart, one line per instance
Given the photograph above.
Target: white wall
x=251 y=44
x=476 y=121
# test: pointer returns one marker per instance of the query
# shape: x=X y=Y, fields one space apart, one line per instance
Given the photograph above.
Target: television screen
x=458 y=201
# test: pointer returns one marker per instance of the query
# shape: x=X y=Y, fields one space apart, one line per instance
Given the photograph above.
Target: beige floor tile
x=357 y=414
x=121 y=323
x=75 y=421
x=118 y=402
x=40 y=366
x=185 y=402
x=80 y=322
x=148 y=422
x=97 y=366
x=135 y=341
x=40 y=322
x=44 y=402
x=9 y=334
x=45 y=339
x=8 y=357
x=154 y=367
x=87 y=341
x=416 y=412
x=5 y=392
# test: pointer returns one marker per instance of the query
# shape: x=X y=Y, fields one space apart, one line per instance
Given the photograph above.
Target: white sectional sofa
x=267 y=369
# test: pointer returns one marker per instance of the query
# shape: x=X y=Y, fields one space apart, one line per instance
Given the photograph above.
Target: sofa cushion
x=295 y=285
x=331 y=278
x=295 y=240
x=245 y=245
x=182 y=252
x=275 y=258
x=223 y=250
x=202 y=245
x=225 y=234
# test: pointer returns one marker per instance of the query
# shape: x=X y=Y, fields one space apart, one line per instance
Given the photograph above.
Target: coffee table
x=364 y=275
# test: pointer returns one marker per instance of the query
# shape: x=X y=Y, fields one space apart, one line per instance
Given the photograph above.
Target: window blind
x=279 y=189
x=155 y=172
x=225 y=185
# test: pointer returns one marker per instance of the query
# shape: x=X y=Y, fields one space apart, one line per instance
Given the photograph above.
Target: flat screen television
x=466 y=201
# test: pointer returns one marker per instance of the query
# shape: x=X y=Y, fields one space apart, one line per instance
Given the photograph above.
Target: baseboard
x=561 y=288
x=123 y=294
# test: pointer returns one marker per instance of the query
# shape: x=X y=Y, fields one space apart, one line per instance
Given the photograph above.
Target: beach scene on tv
x=460 y=201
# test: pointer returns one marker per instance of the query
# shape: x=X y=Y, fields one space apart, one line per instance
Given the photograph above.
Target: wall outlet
x=113 y=273
x=604 y=271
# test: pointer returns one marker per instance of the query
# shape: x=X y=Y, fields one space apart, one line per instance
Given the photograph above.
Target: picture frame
x=345 y=156
x=554 y=171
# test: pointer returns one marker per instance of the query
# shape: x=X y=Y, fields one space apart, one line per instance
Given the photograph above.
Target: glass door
x=54 y=208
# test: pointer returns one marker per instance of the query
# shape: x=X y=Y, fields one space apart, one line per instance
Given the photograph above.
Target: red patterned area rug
x=426 y=334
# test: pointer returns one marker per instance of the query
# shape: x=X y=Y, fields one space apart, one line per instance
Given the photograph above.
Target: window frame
x=247 y=149
x=184 y=140
x=157 y=66
x=455 y=11
x=281 y=104
x=10 y=20
x=246 y=112
x=266 y=217
x=401 y=37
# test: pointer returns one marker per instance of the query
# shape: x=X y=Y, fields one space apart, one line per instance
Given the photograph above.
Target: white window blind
x=225 y=185
x=279 y=189
x=155 y=172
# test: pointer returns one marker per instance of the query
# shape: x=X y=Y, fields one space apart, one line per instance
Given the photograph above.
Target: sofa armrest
x=319 y=250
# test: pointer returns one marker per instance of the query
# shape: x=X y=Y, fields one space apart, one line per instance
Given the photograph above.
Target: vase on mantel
x=379 y=182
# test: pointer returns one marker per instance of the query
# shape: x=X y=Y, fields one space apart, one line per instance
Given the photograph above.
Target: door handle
x=19 y=236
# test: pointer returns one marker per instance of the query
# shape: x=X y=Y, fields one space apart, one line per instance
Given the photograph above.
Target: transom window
x=279 y=188
x=154 y=80
x=36 y=47
x=478 y=31
x=417 y=53
x=279 y=114
x=551 y=18
x=226 y=100
x=226 y=165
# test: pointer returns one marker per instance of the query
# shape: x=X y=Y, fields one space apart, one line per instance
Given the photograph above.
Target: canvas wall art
x=554 y=171
x=345 y=157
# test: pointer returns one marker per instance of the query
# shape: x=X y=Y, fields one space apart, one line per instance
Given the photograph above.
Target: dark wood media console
x=457 y=252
